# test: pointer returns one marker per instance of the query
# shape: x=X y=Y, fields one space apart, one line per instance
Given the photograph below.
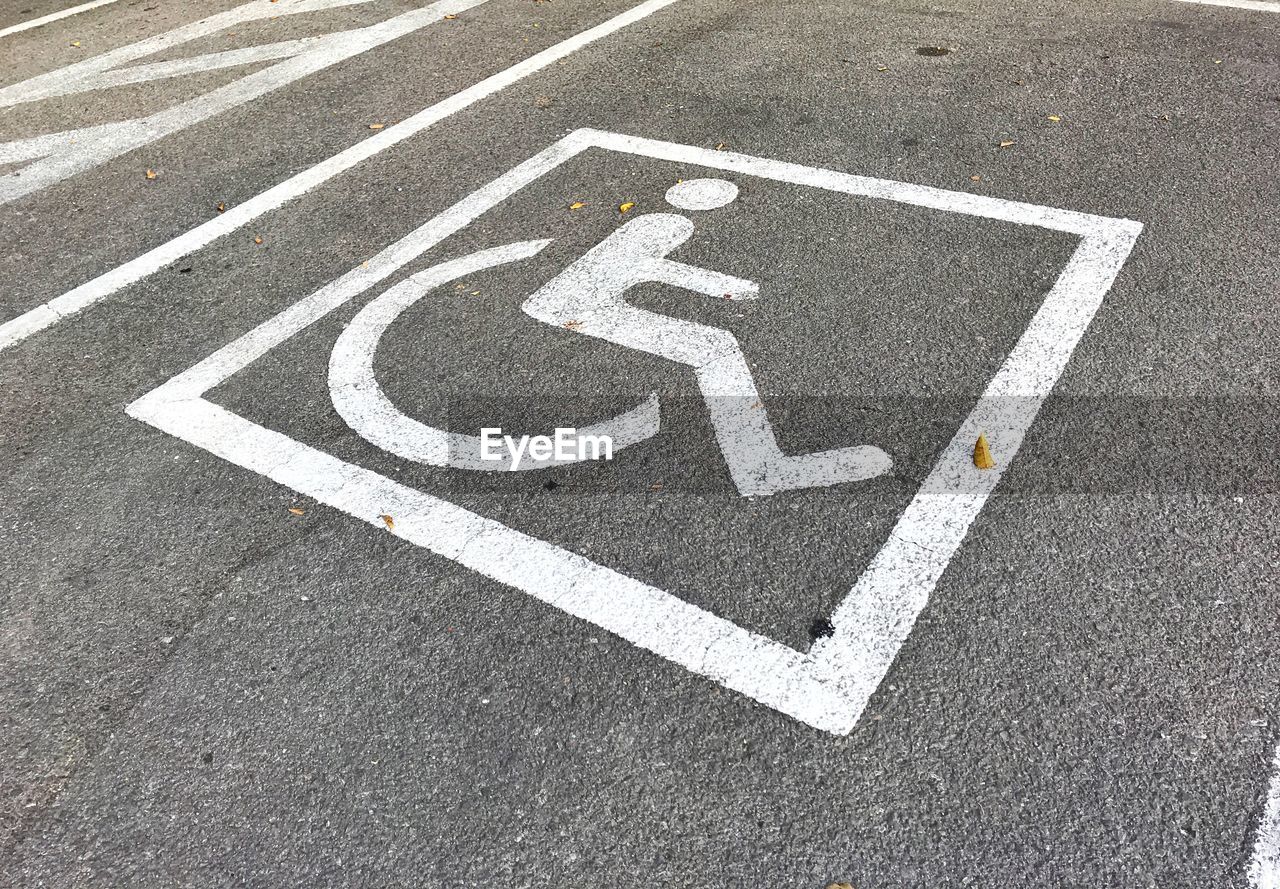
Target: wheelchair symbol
x=591 y=293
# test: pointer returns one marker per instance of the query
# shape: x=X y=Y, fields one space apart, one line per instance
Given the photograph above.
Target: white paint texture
x=79 y=298
x=57 y=156
x=702 y=194
x=1252 y=5
x=53 y=17
x=1264 y=868
x=827 y=687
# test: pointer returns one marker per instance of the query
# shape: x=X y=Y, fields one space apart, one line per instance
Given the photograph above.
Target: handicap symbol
x=589 y=298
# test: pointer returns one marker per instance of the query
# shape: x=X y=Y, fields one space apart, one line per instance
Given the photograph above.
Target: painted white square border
x=829 y=686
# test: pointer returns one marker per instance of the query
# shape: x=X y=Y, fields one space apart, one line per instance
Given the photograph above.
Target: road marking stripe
x=1264 y=869
x=75 y=151
x=72 y=78
x=77 y=299
x=1255 y=5
x=53 y=17
x=214 y=61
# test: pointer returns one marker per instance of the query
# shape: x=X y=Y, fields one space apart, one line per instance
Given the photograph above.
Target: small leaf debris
x=1055 y=118
x=388 y=521
x=572 y=325
x=577 y=205
x=221 y=208
x=151 y=174
x=257 y=239
x=376 y=126
x=1007 y=143
x=982 y=453
x=626 y=207
x=294 y=510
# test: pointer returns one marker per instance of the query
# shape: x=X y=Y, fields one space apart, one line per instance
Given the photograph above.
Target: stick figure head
x=702 y=194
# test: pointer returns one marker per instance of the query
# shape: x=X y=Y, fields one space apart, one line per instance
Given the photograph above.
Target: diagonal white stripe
x=53 y=17
x=1255 y=5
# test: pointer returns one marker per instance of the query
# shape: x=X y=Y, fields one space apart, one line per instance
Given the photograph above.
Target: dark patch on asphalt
x=821 y=628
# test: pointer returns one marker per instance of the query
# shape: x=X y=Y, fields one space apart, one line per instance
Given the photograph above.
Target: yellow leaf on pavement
x=577 y=205
x=388 y=521
x=982 y=453
x=626 y=208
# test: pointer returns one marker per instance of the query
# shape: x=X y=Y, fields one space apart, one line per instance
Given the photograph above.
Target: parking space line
x=53 y=17
x=1264 y=869
x=1255 y=5
x=79 y=298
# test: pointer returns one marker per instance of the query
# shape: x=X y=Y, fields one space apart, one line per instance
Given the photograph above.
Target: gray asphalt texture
x=199 y=688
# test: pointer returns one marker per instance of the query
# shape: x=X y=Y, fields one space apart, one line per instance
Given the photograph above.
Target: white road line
x=75 y=151
x=79 y=298
x=827 y=687
x=79 y=76
x=214 y=61
x=1264 y=869
x=1255 y=5
x=53 y=17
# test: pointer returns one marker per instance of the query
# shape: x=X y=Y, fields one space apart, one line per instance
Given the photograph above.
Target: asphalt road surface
x=269 y=268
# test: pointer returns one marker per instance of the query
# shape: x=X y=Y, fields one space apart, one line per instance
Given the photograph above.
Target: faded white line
x=214 y=61
x=77 y=299
x=829 y=686
x=1264 y=869
x=75 y=151
x=53 y=17
x=80 y=76
x=1255 y=5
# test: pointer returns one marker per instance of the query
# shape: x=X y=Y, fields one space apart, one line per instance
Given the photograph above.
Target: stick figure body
x=590 y=295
